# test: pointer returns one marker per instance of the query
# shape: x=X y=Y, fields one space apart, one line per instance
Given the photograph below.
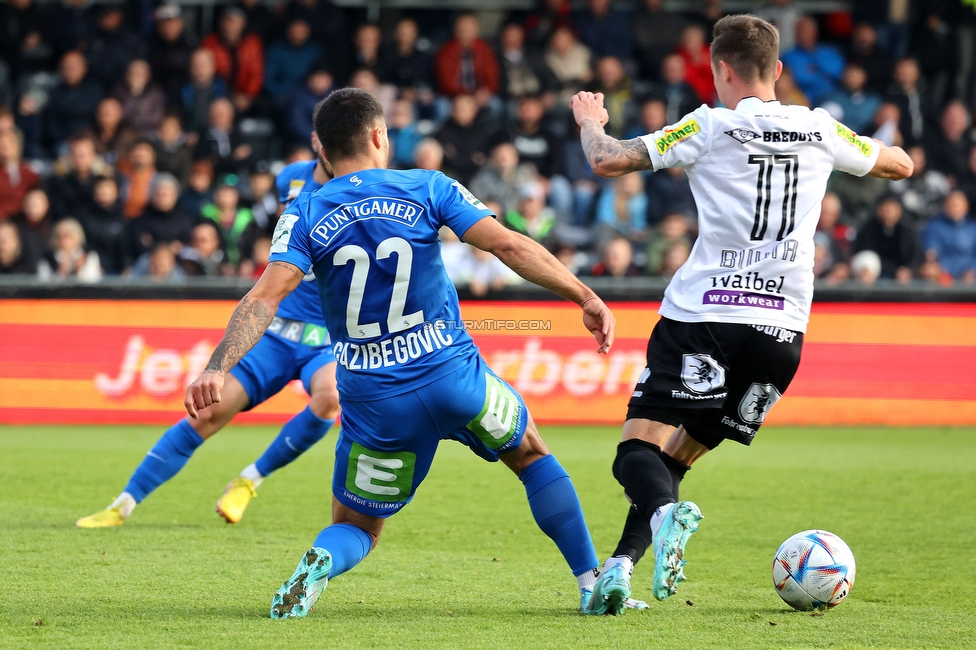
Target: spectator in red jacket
x=466 y=64
x=239 y=56
x=698 y=62
x=16 y=178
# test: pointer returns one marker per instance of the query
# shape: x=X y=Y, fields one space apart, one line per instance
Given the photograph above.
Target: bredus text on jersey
x=745 y=135
x=377 y=207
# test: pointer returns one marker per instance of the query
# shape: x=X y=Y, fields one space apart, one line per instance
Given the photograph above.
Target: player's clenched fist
x=589 y=106
x=203 y=392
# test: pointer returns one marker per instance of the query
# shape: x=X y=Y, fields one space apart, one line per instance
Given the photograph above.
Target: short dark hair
x=343 y=120
x=749 y=45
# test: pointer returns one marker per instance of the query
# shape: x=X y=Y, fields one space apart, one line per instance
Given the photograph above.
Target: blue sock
x=557 y=510
x=164 y=460
x=347 y=544
x=298 y=434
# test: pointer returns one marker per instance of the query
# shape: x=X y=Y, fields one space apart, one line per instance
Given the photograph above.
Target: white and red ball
x=813 y=570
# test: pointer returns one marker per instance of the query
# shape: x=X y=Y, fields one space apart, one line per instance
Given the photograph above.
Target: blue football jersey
x=303 y=303
x=296 y=178
x=371 y=238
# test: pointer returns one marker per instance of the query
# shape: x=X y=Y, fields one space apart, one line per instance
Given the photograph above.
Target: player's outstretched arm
x=893 y=163
x=537 y=265
x=250 y=319
x=607 y=156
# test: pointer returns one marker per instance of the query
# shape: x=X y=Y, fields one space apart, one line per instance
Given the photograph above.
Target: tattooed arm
x=250 y=319
x=607 y=156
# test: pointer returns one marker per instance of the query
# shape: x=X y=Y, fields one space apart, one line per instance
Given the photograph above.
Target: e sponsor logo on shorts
x=757 y=401
x=701 y=374
x=780 y=334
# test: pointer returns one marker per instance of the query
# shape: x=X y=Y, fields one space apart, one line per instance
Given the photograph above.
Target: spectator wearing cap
x=71 y=104
x=617 y=260
x=298 y=119
x=75 y=175
x=112 y=46
x=161 y=223
x=239 y=57
x=16 y=177
x=853 y=103
x=143 y=102
x=466 y=64
x=15 y=258
x=104 y=225
x=895 y=243
x=138 y=169
x=816 y=67
x=69 y=259
x=234 y=221
x=950 y=239
x=173 y=154
x=170 y=49
x=222 y=143
x=203 y=88
x=403 y=65
x=289 y=61
x=606 y=31
x=465 y=138
x=866 y=267
x=532 y=218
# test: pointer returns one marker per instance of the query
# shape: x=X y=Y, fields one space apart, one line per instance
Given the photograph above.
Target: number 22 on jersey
x=396 y=320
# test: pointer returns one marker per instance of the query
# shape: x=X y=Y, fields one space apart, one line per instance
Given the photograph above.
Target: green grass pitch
x=464 y=565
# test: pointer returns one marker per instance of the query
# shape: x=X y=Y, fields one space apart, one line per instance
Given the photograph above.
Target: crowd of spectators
x=132 y=144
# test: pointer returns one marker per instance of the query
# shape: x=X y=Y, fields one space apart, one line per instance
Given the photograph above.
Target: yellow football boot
x=237 y=495
x=102 y=519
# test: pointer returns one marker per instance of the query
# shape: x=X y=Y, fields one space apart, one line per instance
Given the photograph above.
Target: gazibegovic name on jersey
x=303 y=303
x=371 y=238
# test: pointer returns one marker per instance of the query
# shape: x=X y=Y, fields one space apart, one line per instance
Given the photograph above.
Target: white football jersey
x=758 y=174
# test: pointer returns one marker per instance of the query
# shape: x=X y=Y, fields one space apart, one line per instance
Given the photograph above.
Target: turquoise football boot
x=669 y=547
x=296 y=597
x=611 y=592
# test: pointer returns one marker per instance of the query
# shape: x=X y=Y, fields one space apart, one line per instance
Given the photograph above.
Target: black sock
x=636 y=537
x=646 y=479
x=678 y=471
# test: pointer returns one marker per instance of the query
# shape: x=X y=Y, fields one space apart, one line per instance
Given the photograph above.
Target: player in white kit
x=733 y=317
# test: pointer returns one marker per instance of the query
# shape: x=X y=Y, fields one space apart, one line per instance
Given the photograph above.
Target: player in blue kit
x=409 y=374
x=296 y=346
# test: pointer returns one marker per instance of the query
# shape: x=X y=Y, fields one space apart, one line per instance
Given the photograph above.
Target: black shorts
x=719 y=380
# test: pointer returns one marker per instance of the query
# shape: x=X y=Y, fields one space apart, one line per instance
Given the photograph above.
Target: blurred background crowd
x=135 y=140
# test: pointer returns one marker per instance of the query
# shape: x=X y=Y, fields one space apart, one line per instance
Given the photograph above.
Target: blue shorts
x=274 y=362
x=386 y=446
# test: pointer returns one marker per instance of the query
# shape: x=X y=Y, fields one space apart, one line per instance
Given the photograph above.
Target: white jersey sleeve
x=682 y=143
x=853 y=153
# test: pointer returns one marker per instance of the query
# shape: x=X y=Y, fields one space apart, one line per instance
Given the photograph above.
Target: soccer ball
x=813 y=570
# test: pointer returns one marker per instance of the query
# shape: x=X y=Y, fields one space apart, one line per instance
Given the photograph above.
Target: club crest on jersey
x=700 y=373
x=743 y=135
x=677 y=135
x=757 y=401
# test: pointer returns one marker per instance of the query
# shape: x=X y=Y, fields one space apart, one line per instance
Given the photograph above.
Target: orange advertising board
x=102 y=361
